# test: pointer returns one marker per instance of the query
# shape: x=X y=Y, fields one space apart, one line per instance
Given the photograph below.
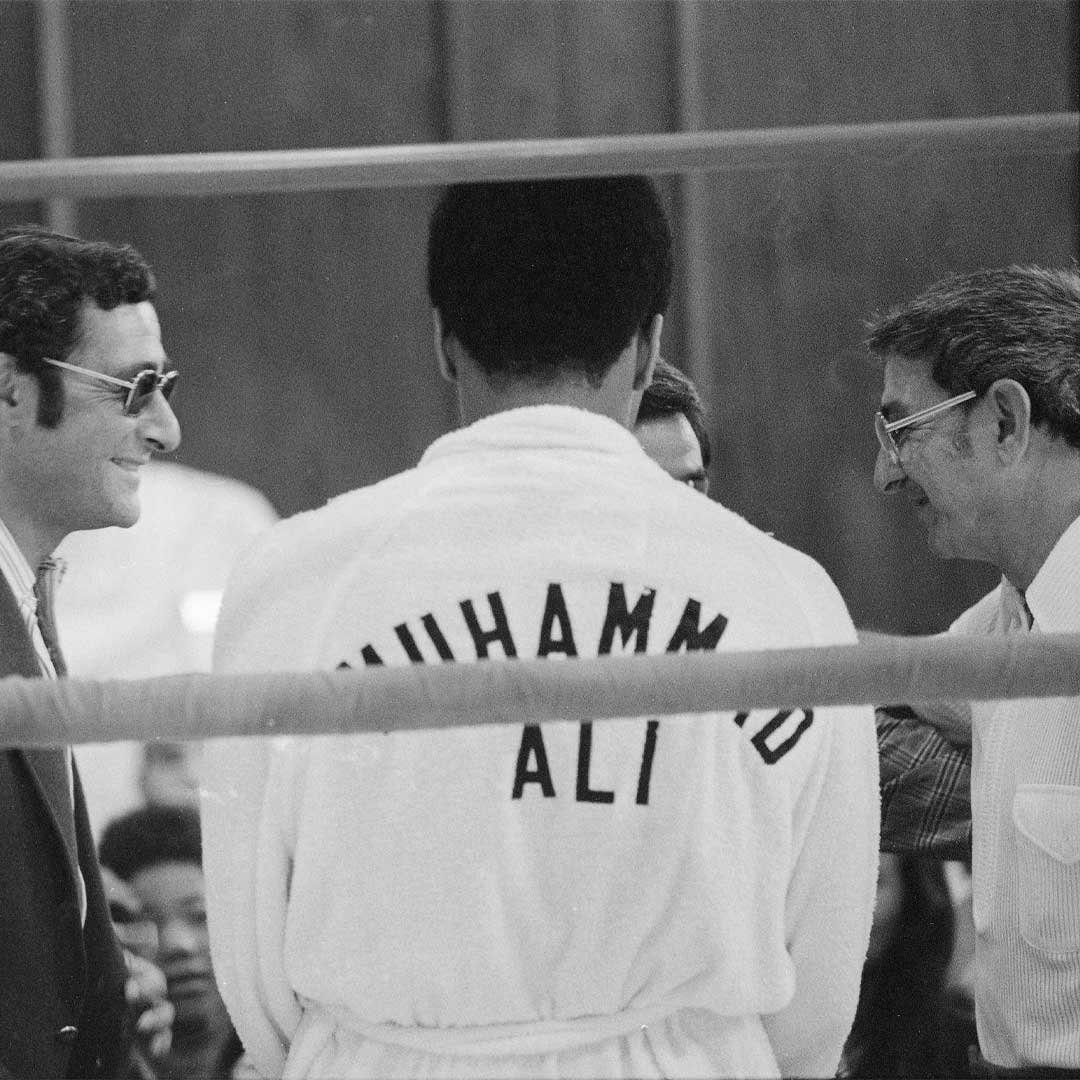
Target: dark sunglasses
x=139 y=390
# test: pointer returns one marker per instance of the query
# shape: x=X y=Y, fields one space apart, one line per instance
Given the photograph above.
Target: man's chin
x=126 y=513
x=936 y=539
x=192 y=1015
x=939 y=546
x=943 y=546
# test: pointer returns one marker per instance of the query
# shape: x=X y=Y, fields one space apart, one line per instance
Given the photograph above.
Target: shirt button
x=67 y=1034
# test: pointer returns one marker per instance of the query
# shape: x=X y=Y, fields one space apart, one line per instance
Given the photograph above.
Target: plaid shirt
x=925 y=788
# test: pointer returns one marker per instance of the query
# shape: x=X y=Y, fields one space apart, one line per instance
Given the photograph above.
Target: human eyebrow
x=133 y=370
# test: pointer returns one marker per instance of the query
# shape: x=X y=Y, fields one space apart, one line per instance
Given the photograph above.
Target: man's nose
x=177 y=936
x=887 y=472
x=159 y=424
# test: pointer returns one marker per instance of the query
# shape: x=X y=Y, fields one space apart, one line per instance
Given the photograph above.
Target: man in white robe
x=656 y=896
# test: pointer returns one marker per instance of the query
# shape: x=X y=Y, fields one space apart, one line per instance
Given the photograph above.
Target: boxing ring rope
x=36 y=712
x=273 y=171
x=39 y=712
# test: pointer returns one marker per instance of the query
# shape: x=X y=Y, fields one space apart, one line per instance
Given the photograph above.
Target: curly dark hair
x=537 y=279
x=1018 y=322
x=151 y=835
x=45 y=279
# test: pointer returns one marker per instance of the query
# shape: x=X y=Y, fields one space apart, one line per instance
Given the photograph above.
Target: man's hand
x=146 y=996
x=951 y=718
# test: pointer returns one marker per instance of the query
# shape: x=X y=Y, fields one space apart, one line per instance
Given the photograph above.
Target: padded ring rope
x=40 y=712
x=276 y=171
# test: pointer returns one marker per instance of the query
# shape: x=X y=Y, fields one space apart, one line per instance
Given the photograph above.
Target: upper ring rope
x=276 y=171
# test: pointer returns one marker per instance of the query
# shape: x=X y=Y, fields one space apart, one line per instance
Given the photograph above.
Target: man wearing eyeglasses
x=979 y=429
x=83 y=387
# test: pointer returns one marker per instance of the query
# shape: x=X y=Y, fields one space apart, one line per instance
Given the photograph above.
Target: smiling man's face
x=945 y=468
x=84 y=473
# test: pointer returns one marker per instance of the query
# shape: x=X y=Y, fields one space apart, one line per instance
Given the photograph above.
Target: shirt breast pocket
x=1047 y=820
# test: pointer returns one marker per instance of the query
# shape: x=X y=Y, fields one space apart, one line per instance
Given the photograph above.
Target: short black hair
x=151 y=835
x=1016 y=322
x=543 y=278
x=45 y=279
x=672 y=392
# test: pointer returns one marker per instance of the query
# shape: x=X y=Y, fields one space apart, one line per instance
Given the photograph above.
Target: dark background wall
x=300 y=321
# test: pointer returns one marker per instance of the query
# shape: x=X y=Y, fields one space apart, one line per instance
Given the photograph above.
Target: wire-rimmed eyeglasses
x=884 y=428
x=139 y=390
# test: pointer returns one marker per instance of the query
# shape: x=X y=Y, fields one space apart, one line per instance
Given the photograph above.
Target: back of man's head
x=537 y=280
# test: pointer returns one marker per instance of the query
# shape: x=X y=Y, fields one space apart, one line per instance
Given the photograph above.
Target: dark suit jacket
x=62 y=1010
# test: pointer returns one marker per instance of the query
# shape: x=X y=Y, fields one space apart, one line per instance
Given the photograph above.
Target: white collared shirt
x=20 y=577
x=1025 y=801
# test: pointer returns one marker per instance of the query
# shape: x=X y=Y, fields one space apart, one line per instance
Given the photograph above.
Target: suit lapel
x=17 y=656
x=48 y=769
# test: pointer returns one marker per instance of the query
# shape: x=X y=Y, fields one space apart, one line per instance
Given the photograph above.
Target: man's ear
x=648 y=352
x=1011 y=408
x=447 y=367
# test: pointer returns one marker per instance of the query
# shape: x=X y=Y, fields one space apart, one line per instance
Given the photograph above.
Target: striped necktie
x=45 y=591
x=1027 y=612
x=48 y=576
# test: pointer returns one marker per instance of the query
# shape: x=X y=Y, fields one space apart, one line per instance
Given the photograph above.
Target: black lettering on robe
x=647 y=754
x=408 y=643
x=772 y=754
x=371 y=657
x=628 y=623
x=437 y=638
x=584 y=754
x=555 y=612
x=532 y=745
x=687 y=633
x=483 y=638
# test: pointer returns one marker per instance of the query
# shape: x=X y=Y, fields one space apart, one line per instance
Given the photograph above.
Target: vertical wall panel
x=795 y=259
x=301 y=322
x=312 y=307
x=19 y=136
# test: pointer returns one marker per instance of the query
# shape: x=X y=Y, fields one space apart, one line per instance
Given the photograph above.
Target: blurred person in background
x=142 y=602
x=138 y=936
x=979 y=429
x=84 y=382
x=911 y=1021
x=671 y=428
x=156 y=851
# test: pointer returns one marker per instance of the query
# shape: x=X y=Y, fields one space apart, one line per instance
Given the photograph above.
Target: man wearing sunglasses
x=980 y=429
x=83 y=387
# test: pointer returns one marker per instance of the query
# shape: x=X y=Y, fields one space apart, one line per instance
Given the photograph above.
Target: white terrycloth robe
x=674 y=896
